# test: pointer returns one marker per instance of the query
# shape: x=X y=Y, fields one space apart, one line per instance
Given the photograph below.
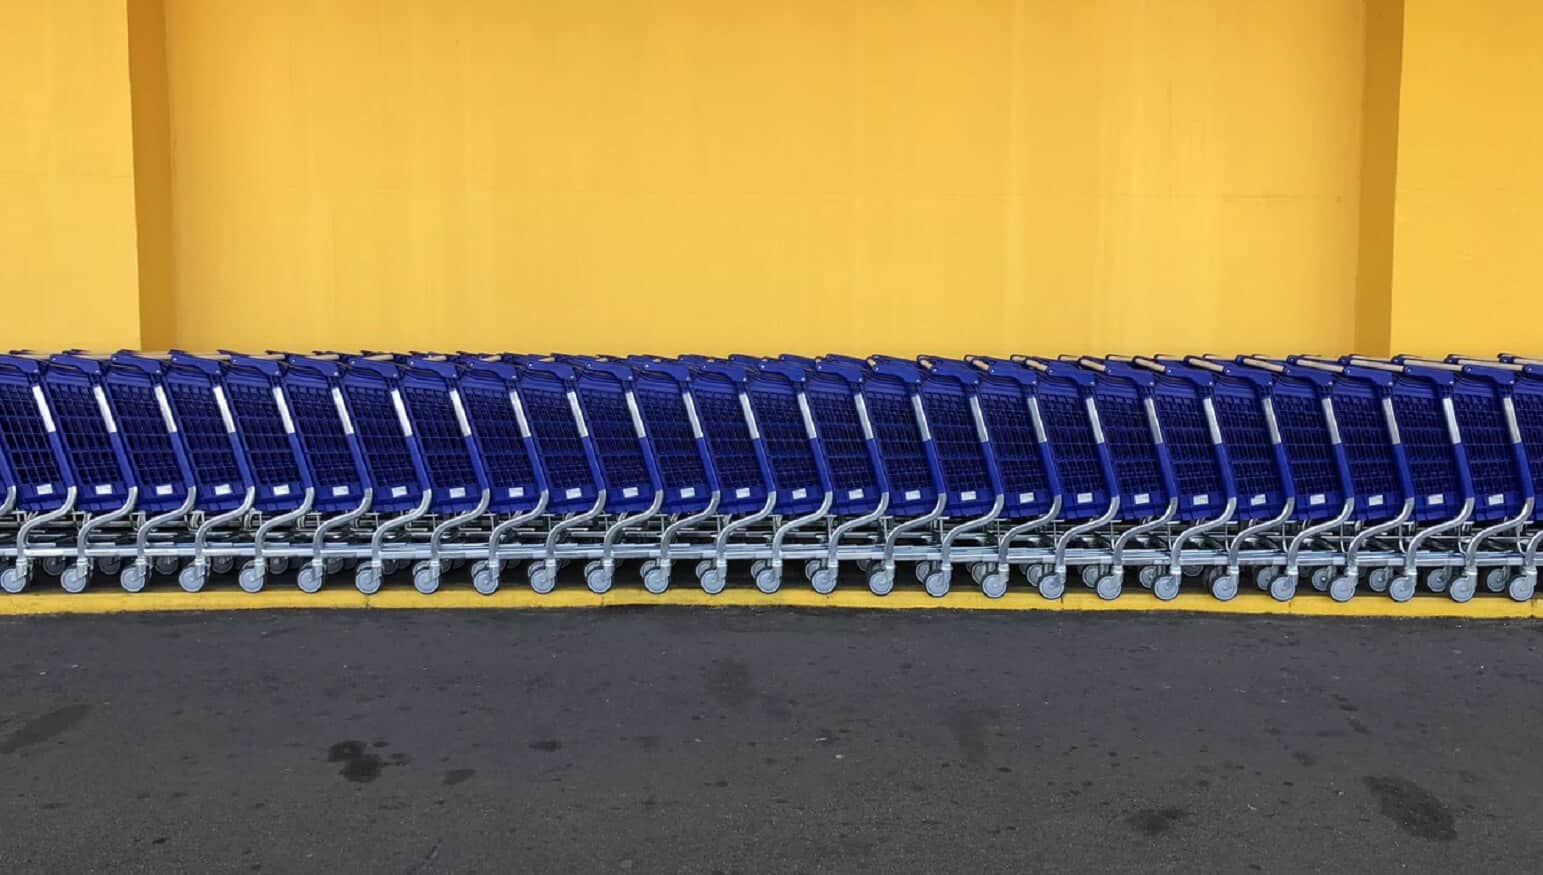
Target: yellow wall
x=1468 y=264
x=809 y=175
x=67 y=231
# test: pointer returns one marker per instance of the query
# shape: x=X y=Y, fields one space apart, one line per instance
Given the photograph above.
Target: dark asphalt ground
x=665 y=740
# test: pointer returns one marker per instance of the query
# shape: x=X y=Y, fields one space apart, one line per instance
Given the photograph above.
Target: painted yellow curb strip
x=519 y=598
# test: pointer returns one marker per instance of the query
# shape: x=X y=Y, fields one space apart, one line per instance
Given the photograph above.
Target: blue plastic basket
x=1496 y=463
x=626 y=467
x=1527 y=394
x=35 y=458
x=380 y=420
x=504 y=442
x=1201 y=471
x=1259 y=467
x=442 y=435
x=911 y=474
x=565 y=454
x=88 y=431
x=785 y=439
x=963 y=449
x=143 y=411
x=1138 y=462
x=1063 y=393
x=1437 y=467
x=684 y=470
x=738 y=459
x=326 y=431
x=208 y=431
x=1024 y=458
x=266 y=430
x=848 y=454
x=1319 y=476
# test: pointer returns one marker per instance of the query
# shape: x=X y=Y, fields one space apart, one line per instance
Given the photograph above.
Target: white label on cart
x=913 y=495
x=1084 y=497
x=398 y=491
x=222 y=489
x=1374 y=501
x=980 y=420
x=1315 y=500
x=337 y=401
x=457 y=492
x=1025 y=497
x=281 y=490
x=401 y=413
x=43 y=411
x=278 y=400
x=1093 y=421
x=1039 y=424
x=688 y=492
x=742 y=492
x=516 y=492
x=107 y=412
x=219 y=401
x=800 y=493
x=1451 y=415
x=1201 y=500
x=46 y=489
x=1331 y=421
x=163 y=489
x=744 y=404
x=1392 y=421
x=629 y=492
x=1496 y=499
x=104 y=489
x=1210 y=418
x=803 y=408
x=1256 y=501
x=165 y=406
x=854 y=494
x=578 y=415
x=574 y=492
x=1434 y=499
x=967 y=495
x=519 y=413
x=1157 y=427
x=339 y=491
x=637 y=417
x=862 y=417
x=1269 y=421
x=1141 y=498
x=921 y=418
x=696 y=424
x=460 y=413
x=1510 y=419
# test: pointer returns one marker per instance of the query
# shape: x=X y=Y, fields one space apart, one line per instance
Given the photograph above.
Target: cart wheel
x=923 y=570
x=1438 y=579
x=1265 y=576
x=1193 y=570
x=1225 y=588
x=425 y=577
x=864 y=564
x=937 y=582
x=542 y=579
x=310 y=577
x=12 y=580
x=109 y=565
x=483 y=578
x=1092 y=574
x=646 y=566
x=1052 y=586
x=1212 y=573
x=333 y=565
x=132 y=577
x=251 y=577
x=811 y=567
x=1036 y=573
x=1463 y=588
x=824 y=581
x=994 y=584
x=166 y=566
x=756 y=566
x=1147 y=576
x=75 y=578
x=53 y=566
x=979 y=570
x=656 y=578
x=711 y=579
x=367 y=578
x=768 y=579
x=1166 y=587
x=193 y=577
x=1401 y=588
x=222 y=564
x=278 y=565
x=881 y=581
x=1108 y=587
x=1342 y=588
x=1320 y=578
x=1495 y=580
x=701 y=567
x=597 y=577
x=1521 y=587
x=1377 y=581
x=1283 y=587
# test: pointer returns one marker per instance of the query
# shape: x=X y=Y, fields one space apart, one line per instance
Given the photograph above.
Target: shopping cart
x=40 y=483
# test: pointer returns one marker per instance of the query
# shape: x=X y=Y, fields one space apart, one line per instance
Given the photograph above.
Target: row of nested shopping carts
x=1351 y=472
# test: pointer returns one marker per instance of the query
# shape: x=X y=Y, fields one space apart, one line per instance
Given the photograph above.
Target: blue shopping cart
x=687 y=473
x=918 y=492
x=40 y=483
x=746 y=479
x=1527 y=398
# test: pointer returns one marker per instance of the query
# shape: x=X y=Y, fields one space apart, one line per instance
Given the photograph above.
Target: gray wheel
x=193 y=577
x=812 y=567
x=701 y=567
x=1036 y=573
x=923 y=570
x=222 y=564
x=647 y=566
x=1148 y=574
x=1283 y=587
x=864 y=564
x=1463 y=588
x=712 y=579
x=937 y=583
x=332 y=565
x=1438 y=579
x=1265 y=576
x=165 y=566
x=132 y=577
x=656 y=579
x=12 y=580
x=824 y=581
x=979 y=570
x=768 y=579
x=75 y=578
x=1495 y=580
x=1225 y=587
x=1521 y=587
x=367 y=578
x=109 y=565
x=542 y=579
x=483 y=578
x=756 y=566
x=1401 y=588
x=1052 y=586
x=251 y=577
x=1108 y=587
x=1193 y=570
x=994 y=584
x=278 y=565
x=1320 y=578
x=880 y=580
x=1342 y=588
x=1092 y=574
x=1377 y=580
x=425 y=577
x=1166 y=587
x=597 y=577
x=309 y=578
x=53 y=566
